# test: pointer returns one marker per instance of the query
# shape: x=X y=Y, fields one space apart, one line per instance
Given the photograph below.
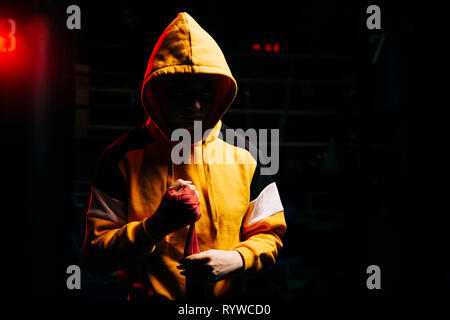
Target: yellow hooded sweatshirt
x=241 y=209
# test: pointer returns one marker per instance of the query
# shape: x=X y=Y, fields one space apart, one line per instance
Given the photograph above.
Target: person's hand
x=211 y=265
x=178 y=208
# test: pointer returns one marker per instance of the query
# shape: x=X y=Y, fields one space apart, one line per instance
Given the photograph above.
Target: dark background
x=363 y=139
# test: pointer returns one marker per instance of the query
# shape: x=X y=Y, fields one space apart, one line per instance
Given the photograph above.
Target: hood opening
x=223 y=95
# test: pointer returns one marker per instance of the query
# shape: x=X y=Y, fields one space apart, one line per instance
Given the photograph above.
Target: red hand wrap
x=176 y=210
x=186 y=199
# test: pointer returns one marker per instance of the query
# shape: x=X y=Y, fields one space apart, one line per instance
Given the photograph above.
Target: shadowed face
x=184 y=99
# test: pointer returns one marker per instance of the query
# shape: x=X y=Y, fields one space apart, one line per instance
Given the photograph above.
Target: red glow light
x=7 y=35
x=267 y=47
x=15 y=40
x=2 y=44
x=276 y=47
x=256 y=47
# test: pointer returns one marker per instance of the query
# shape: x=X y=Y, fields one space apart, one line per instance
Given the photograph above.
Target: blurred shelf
x=233 y=110
x=113 y=90
x=110 y=127
x=289 y=112
x=293 y=81
x=251 y=54
x=283 y=81
x=293 y=56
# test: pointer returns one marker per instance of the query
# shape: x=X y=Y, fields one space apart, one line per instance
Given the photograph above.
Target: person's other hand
x=211 y=265
x=179 y=207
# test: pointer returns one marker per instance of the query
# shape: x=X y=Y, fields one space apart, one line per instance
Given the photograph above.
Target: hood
x=185 y=48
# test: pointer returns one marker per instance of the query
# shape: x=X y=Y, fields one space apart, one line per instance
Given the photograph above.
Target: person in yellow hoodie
x=143 y=203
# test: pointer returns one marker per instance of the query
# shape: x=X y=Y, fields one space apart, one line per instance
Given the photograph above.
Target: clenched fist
x=178 y=208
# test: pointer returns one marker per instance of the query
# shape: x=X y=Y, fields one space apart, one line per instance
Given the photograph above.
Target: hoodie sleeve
x=111 y=242
x=263 y=226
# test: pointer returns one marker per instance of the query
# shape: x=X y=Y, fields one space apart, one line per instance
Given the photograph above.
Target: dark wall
x=362 y=149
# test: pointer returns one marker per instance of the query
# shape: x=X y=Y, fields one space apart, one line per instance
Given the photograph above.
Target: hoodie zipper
x=209 y=188
x=170 y=168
